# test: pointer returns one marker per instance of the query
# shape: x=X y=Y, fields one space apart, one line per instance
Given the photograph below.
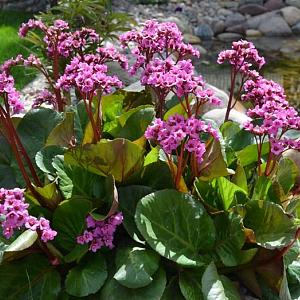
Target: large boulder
x=291 y=14
x=252 y=9
x=295 y=3
x=234 y=19
x=204 y=32
x=275 y=26
x=274 y=4
x=254 y=22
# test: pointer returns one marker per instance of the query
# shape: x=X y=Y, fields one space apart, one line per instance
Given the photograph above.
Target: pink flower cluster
x=44 y=97
x=10 y=94
x=100 y=233
x=271 y=114
x=177 y=131
x=88 y=73
x=14 y=215
x=166 y=75
x=58 y=41
x=162 y=39
x=242 y=56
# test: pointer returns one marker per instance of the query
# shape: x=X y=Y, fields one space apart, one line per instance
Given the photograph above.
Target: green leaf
x=228 y=191
x=112 y=290
x=69 y=221
x=240 y=178
x=87 y=277
x=120 y=158
x=287 y=174
x=176 y=226
x=134 y=126
x=294 y=272
x=190 y=284
x=29 y=278
x=249 y=154
x=22 y=242
x=129 y=196
x=63 y=133
x=35 y=128
x=261 y=188
x=230 y=238
x=77 y=253
x=215 y=287
x=44 y=158
x=273 y=228
x=135 y=266
x=213 y=164
x=172 y=291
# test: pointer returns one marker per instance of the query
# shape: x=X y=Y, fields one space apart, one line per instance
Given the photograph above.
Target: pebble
x=204 y=31
x=253 y=33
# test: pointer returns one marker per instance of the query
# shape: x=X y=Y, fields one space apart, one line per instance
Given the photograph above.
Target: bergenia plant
x=113 y=192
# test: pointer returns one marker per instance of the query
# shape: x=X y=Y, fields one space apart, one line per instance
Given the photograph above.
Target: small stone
x=291 y=14
x=204 y=31
x=224 y=12
x=296 y=28
x=218 y=27
x=229 y=36
x=237 y=29
x=234 y=19
x=182 y=25
x=274 y=4
x=253 y=33
x=295 y=3
x=252 y=9
x=230 y=4
x=254 y=22
x=243 y=2
x=191 y=39
x=275 y=26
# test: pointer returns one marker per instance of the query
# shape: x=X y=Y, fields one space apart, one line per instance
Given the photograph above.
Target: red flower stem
x=180 y=166
x=189 y=112
x=12 y=131
x=232 y=85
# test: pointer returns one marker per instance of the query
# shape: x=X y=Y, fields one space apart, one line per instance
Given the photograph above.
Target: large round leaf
x=119 y=157
x=190 y=284
x=136 y=266
x=87 y=277
x=273 y=228
x=112 y=290
x=29 y=278
x=176 y=226
x=69 y=221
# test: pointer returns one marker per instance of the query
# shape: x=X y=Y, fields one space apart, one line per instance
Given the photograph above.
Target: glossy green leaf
x=29 y=278
x=240 y=178
x=172 y=291
x=230 y=238
x=273 y=228
x=176 y=226
x=112 y=290
x=69 y=221
x=119 y=157
x=190 y=284
x=287 y=174
x=228 y=191
x=135 y=266
x=249 y=154
x=87 y=277
x=215 y=287
x=129 y=196
x=63 y=133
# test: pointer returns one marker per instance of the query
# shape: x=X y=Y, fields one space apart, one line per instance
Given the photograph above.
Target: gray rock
x=243 y=2
x=237 y=29
x=218 y=27
x=269 y=44
x=204 y=31
x=275 y=26
x=296 y=28
x=191 y=39
x=252 y=9
x=291 y=14
x=254 y=22
x=182 y=25
x=252 y=33
x=230 y=4
x=225 y=12
x=234 y=19
x=202 y=50
x=229 y=36
x=274 y=4
x=295 y=3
